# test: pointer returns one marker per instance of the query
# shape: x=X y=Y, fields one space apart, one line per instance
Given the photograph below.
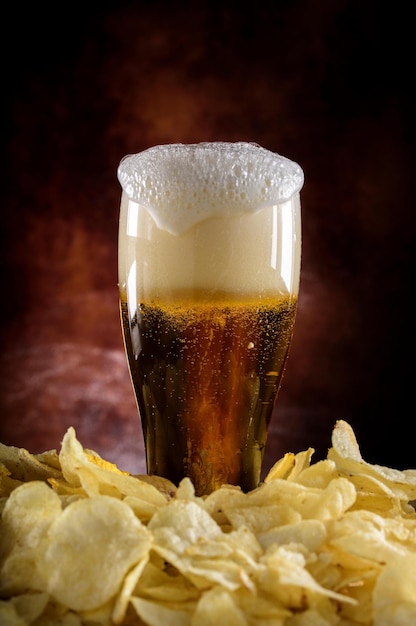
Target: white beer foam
x=183 y=184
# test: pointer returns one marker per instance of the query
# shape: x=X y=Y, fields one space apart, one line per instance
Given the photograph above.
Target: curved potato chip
x=326 y=503
x=346 y=454
x=345 y=442
x=286 y=576
x=158 y=584
x=302 y=462
x=27 y=516
x=319 y=544
x=214 y=605
x=156 y=614
x=318 y=475
x=186 y=536
x=394 y=592
x=310 y=533
x=9 y=615
x=23 y=609
x=123 y=598
x=24 y=466
x=85 y=469
x=163 y=485
x=281 y=468
x=91 y=547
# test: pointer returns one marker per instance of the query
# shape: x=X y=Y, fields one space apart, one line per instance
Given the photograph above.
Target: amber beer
x=209 y=266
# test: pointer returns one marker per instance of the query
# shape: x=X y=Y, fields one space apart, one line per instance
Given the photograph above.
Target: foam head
x=183 y=184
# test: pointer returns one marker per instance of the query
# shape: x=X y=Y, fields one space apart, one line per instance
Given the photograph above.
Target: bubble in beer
x=183 y=184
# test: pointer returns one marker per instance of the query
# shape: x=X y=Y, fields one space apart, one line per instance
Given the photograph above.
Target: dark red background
x=328 y=84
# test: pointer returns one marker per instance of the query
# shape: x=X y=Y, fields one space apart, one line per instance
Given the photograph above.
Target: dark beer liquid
x=206 y=373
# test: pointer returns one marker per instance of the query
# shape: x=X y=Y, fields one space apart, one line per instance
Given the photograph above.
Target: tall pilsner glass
x=209 y=268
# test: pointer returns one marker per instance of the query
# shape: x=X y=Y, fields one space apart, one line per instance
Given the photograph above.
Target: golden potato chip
x=89 y=538
x=347 y=456
x=286 y=577
x=260 y=519
x=84 y=469
x=186 y=491
x=214 y=605
x=23 y=609
x=281 y=468
x=302 y=462
x=50 y=458
x=163 y=485
x=28 y=513
x=119 y=611
x=309 y=533
x=317 y=544
x=24 y=466
x=142 y=509
x=315 y=617
x=156 y=614
x=158 y=583
x=63 y=488
x=260 y=609
x=215 y=502
x=181 y=527
x=318 y=475
x=9 y=615
x=395 y=592
x=7 y=483
x=360 y=587
x=290 y=466
x=100 y=616
x=312 y=503
x=371 y=536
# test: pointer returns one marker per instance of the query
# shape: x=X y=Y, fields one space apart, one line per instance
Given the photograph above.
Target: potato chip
x=371 y=537
x=156 y=614
x=184 y=526
x=309 y=533
x=50 y=458
x=360 y=587
x=395 y=592
x=123 y=598
x=23 y=609
x=318 y=475
x=9 y=615
x=302 y=461
x=308 y=502
x=260 y=519
x=24 y=466
x=163 y=584
x=83 y=543
x=346 y=453
x=7 y=483
x=261 y=609
x=315 y=617
x=212 y=607
x=29 y=512
x=84 y=469
x=163 y=485
x=317 y=544
x=282 y=468
x=286 y=577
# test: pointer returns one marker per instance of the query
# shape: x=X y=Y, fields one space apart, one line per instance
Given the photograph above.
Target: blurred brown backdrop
x=328 y=84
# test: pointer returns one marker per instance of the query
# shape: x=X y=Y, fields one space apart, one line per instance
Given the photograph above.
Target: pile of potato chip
x=82 y=542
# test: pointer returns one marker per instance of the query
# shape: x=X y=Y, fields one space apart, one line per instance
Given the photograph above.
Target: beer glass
x=209 y=268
